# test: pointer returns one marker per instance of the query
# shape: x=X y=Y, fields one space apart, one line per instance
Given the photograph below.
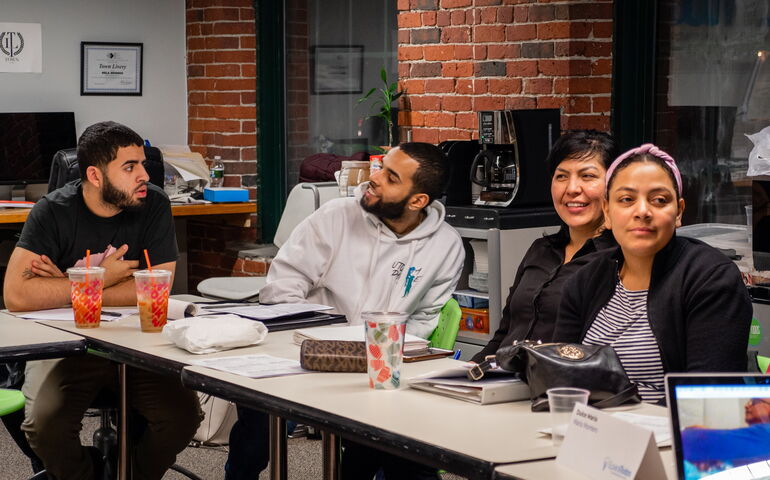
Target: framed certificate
x=108 y=68
x=337 y=69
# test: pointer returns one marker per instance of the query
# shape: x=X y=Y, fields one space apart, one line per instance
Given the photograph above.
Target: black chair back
x=64 y=167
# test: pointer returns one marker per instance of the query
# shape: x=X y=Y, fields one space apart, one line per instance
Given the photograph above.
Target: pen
x=111 y=314
x=457 y=354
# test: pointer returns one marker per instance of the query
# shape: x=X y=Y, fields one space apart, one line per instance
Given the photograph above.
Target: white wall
x=160 y=114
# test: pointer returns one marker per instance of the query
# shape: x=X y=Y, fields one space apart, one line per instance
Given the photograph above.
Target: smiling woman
x=665 y=303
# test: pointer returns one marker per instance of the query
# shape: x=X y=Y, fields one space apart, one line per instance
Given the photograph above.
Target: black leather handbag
x=596 y=368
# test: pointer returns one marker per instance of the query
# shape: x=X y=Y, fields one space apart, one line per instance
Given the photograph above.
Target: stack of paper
x=352 y=333
x=454 y=383
x=267 y=312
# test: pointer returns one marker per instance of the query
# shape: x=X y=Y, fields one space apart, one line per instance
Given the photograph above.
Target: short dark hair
x=578 y=144
x=432 y=174
x=99 y=144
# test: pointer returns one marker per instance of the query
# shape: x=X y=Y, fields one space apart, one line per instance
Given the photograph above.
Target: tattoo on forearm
x=27 y=273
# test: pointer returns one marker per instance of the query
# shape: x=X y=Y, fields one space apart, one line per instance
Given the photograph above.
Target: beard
x=120 y=199
x=386 y=210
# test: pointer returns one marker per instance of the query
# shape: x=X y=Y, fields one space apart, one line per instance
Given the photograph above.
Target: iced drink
x=152 y=289
x=86 y=294
x=384 y=348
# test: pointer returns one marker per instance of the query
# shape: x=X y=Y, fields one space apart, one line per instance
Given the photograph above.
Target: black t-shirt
x=62 y=227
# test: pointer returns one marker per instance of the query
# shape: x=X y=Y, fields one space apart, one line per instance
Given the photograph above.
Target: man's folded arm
x=23 y=290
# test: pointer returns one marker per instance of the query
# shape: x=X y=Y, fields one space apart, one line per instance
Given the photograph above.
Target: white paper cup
x=561 y=402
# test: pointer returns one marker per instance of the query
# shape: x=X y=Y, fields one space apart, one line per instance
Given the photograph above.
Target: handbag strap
x=619 y=398
x=477 y=371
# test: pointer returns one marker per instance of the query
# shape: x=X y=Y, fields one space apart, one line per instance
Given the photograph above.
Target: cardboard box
x=226 y=194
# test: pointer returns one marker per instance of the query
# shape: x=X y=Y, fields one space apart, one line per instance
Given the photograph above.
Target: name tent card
x=604 y=447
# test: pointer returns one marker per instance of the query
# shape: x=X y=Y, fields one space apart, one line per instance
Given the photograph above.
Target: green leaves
x=383 y=102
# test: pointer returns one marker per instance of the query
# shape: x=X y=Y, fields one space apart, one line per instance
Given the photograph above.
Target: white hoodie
x=349 y=259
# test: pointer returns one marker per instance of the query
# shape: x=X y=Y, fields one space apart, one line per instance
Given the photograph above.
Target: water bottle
x=217 y=172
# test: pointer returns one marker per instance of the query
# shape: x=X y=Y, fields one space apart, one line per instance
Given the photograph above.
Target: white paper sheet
x=253 y=366
x=658 y=425
x=66 y=314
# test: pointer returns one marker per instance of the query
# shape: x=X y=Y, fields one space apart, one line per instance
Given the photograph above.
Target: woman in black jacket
x=577 y=163
x=665 y=303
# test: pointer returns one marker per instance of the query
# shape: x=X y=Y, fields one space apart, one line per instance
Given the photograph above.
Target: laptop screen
x=720 y=425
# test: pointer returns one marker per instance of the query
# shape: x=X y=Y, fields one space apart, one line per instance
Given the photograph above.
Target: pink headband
x=655 y=152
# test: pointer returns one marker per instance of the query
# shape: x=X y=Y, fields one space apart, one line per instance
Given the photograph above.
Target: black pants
x=249 y=445
x=360 y=462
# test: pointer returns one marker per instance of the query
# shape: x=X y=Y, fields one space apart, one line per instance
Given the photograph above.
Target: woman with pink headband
x=665 y=303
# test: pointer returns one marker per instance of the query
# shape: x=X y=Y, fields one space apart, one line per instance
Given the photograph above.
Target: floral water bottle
x=217 y=172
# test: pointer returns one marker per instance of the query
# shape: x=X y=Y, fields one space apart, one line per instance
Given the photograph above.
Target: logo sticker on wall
x=21 y=49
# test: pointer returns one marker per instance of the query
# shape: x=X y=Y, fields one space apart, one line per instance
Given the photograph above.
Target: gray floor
x=206 y=462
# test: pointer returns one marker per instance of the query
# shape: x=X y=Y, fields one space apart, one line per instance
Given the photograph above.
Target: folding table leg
x=278 y=469
x=331 y=456
x=123 y=425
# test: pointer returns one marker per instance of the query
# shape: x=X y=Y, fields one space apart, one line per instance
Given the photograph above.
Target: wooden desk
x=19 y=215
x=550 y=470
x=22 y=339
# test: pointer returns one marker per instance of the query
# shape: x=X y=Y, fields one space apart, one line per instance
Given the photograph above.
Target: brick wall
x=221 y=86
x=458 y=57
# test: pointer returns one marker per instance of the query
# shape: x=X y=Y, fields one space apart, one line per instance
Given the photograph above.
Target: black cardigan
x=698 y=307
x=534 y=297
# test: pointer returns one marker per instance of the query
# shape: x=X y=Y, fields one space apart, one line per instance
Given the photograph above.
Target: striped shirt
x=624 y=325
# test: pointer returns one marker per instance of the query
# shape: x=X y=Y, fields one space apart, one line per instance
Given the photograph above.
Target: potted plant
x=384 y=98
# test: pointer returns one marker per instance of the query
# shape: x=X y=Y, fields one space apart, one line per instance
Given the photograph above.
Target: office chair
x=304 y=199
x=64 y=167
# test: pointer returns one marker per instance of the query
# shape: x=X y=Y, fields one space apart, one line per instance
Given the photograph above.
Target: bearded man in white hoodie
x=386 y=249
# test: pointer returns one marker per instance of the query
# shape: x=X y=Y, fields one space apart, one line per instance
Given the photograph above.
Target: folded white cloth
x=214 y=333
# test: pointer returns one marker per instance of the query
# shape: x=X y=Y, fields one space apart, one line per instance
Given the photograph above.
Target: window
x=712 y=87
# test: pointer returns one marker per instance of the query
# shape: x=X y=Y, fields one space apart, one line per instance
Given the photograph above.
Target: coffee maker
x=510 y=168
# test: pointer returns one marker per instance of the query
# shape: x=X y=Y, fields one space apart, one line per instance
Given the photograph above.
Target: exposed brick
x=583 y=49
x=541 y=13
x=520 y=103
x=457 y=69
x=415 y=119
x=432 y=69
x=457 y=17
x=479 y=52
x=600 y=104
x=424 y=4
x=601 y=67
x=465 y=120
x=580 y=122
x=428 y=135
x=505 y=14
x=504 y=86
x=463 y=52
x=233 y=112
x=456 y=3
x=439 y=52
x=443 y=18
x=409 y=20
x=563 y=68
x=248 y=98
x=403 y=36
x=490 y=69
x=464 y=86
x=488 y=103
x=455 y=35
x=233 y=28
x=428 y=19
x=444 y=85
x=590 y=10
x=538 y=85
x=456 y=103
x=413 y=86
x=439 y=119
x=453 y=134
x=226 y=70
x=602 y=29
x=517 y=33
x=212 y=14
x=551 y=102
x=553 y=30
x=407 y=53
x=481 y=3
x=503 y=50
x=195 y=70
x=523 y=68
x=489 y=15
x=480 y=86
x=425 y=35
x=403 y=5
x=582 y=85
x=520 y=14
x=489 y=33
x=537 y=50
x=578 y=104
x=425 y=103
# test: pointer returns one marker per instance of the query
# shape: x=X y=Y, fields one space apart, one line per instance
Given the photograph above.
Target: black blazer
x=698 y=307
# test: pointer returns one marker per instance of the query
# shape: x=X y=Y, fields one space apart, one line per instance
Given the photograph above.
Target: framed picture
x=336 y=69
x=110 y=68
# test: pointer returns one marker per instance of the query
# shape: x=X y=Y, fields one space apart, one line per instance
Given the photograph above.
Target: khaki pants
x=59 y=392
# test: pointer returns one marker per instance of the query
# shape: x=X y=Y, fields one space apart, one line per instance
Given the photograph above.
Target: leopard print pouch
x=333 y=356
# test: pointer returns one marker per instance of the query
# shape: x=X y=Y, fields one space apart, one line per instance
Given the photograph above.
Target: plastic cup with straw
x=152 y=290
x=87 y=285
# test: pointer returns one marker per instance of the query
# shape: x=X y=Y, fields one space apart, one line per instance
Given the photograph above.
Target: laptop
x=720 y=424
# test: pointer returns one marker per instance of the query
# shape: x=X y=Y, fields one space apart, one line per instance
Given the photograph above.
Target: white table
x=548 y=469
x=22 y=339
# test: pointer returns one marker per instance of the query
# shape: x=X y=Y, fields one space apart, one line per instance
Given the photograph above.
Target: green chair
x=445 y=334
x=10 y=401
x=763 y=363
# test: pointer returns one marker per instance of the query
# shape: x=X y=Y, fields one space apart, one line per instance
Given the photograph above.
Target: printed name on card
x=604 y=447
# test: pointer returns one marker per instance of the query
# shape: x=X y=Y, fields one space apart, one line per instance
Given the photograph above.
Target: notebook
x=720 y=425
x=497 y=387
